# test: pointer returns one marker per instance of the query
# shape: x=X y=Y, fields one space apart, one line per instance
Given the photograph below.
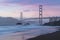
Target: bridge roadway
x=33 y=20
x=43 y=18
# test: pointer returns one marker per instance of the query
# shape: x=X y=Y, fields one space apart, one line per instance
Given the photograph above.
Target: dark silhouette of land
x=50 y=36
x=55 y=23
x=8 y=21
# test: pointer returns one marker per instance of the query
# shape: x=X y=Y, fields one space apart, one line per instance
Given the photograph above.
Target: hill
x=7 y=21
x=55 y=23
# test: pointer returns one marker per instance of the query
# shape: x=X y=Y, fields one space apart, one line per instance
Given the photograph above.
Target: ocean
x=22 y=28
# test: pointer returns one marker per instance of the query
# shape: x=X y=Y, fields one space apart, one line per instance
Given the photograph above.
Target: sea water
x=20 y=28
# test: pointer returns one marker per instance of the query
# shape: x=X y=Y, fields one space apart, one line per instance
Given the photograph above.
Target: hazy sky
x=12 y=8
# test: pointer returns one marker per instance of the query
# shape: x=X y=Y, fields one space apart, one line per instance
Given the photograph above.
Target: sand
x=50 y=36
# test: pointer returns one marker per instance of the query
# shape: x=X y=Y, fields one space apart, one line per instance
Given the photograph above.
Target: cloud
x=30 y=2
x=51 y=10
x=15 y=6
x=2 y=0
x=48 y=2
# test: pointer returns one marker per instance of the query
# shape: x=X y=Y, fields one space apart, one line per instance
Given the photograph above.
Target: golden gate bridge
x=40 y=18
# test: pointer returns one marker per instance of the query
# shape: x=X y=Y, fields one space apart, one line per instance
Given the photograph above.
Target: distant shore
x=55 y=23
x=50 y=36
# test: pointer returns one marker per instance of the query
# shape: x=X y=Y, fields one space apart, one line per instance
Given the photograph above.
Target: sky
x=29 y=8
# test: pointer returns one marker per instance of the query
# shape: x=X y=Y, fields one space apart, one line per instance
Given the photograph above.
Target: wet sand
x=19 y=35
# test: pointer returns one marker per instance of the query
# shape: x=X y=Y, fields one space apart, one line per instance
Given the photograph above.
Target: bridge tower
x=21 y=16
x=40 y=14
x=20 y=20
